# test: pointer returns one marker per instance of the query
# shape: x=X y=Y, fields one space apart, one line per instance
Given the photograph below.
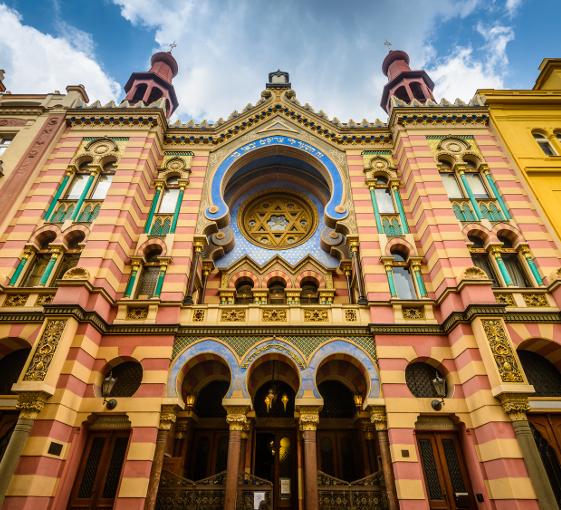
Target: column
x=309 y=420
x=161 y=276
x=132 y=279
x=207 y=269
x=379 y=419
x=416 y=268
x=516 y=406
x=30 y=405
x=27 y=253
x=531 y=264
x=376 y=210
x=300 y=471
x=399 y=204
x=155 y=201
x=243 y=449
x=236 y=420
x=388 y=266
x=55 y=254
x=471 y=196
x=347 y=268
x=198 y=248
x=182 y=186
x=84 y=194
x=167 y=418
x=496 y=193
x=353 y=246
x=496 y=251
x=47 y=214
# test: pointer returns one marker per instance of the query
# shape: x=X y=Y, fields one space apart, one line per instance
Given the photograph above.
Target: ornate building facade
x=277 y=310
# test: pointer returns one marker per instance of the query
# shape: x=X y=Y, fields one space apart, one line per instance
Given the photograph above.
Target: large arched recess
x=335 y=210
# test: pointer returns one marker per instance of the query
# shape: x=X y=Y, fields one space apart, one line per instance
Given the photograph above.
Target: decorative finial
x=388 y=45
x=172 y=46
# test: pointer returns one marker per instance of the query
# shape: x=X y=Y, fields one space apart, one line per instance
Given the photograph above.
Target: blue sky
x=333 y=49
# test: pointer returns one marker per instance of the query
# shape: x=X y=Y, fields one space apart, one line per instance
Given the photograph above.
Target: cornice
x=116 y=117
x=429 y=117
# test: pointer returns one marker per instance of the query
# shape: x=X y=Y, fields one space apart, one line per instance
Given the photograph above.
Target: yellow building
x=529 y=122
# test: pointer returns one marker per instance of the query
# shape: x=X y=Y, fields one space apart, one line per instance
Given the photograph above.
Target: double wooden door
x=275 y=460
x=547 y=434
x=445 y=473
x=100 y=470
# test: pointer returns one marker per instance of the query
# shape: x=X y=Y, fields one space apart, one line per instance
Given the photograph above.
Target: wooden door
x=446 y=479
x=100 y=471
x=546 y=429
x=275 y=460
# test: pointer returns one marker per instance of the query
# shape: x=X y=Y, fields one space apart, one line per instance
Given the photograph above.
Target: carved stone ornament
x=45 y=350
x=236 y=421
x=515 y=406
x=413 y=312
x=535 y=300
x=31 y=403
x=168 y=416
x=351 y=316
x=505 y=298
x=199 y=315
x=76 y=273
x=232 y=315
x=309 y=419
x=274 y=315
x=45 y=299
x=502 y=351
x=136 y=313
x=474 y=273
x=12 y=122
x=270 y=346
x=378 y=417
x=315 y=315
x=15 y=300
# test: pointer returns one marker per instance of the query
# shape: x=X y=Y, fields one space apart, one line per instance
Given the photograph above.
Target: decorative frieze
x=503 y=353
x=199 y=315
x=15 y=300
x=45 y=350
x=351 y=315
x=535 y=300
x=413 y=312
x=137 y=313
x=274 y=315
x=505 y=298
x=233 y=315
x=315 y=315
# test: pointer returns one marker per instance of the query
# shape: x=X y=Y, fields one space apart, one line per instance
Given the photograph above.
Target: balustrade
x=367 y=493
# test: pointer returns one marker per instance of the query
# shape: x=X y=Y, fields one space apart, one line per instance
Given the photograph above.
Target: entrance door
x=547 y=433
x=445 y=473
x=275 y=460
x=100 y=471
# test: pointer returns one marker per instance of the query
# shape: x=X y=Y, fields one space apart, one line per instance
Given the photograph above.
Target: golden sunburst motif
x=278 y=220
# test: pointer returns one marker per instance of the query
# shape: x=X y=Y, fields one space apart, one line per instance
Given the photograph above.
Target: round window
x=278 y=220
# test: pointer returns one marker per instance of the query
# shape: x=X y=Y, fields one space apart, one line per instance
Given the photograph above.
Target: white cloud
x=512 y=6
x=37 y=63
x=332 y=50
x=460 y=74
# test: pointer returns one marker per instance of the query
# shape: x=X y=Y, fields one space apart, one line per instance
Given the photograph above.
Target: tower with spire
x=404 y=83
x=156 y=83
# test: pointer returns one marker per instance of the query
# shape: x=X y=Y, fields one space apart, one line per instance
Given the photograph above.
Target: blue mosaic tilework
x=260 y=255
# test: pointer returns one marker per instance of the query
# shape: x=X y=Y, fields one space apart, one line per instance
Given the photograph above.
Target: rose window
x=278 y=220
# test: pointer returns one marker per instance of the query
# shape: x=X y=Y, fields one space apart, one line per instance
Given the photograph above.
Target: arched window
x=139 y=92
x=417 y=91
x=149 y=275
x=310 y=291
x=419 y=377
x=512 y=262
x=390 y=216
x=244 y=291
x=277 y=295
x=544 y=144
x=128 y=375
x=169 y=197
x=541 y=374
x=404 y=286
x=71 y=256
x=10 y=367
x=401 y=93
x=155 y=94
x=480 y=258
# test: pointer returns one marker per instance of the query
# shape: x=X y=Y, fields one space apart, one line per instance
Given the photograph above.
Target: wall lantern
x=439 y=385
x=106 y=389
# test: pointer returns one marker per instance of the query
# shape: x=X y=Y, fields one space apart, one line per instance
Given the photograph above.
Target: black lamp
x=439 y=385
x=106 y=389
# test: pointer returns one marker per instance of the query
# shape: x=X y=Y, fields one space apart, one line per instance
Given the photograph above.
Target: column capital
x=28 y=252
x=309 y=418
x=515 y=405
x=495 y=249
x=31 y=403
x=395 y=184
x=378 y=417
x=168 y=416
x=236 y=421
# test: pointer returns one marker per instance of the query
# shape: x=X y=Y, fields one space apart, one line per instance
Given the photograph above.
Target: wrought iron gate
x=368 y=493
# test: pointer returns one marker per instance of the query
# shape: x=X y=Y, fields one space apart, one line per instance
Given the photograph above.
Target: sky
x=333 y=49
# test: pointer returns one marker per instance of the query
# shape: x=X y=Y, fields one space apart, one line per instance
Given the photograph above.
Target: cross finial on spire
x=388 y=44
x=172 y=46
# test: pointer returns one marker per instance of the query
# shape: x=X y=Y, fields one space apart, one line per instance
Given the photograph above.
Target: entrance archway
x=273 y=383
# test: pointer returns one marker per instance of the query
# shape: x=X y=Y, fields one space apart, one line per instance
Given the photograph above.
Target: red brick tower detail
x=155 y=83
x=404 y=83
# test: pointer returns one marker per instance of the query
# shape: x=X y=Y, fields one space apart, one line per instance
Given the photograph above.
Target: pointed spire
x=150 y=86
x=403 y=83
